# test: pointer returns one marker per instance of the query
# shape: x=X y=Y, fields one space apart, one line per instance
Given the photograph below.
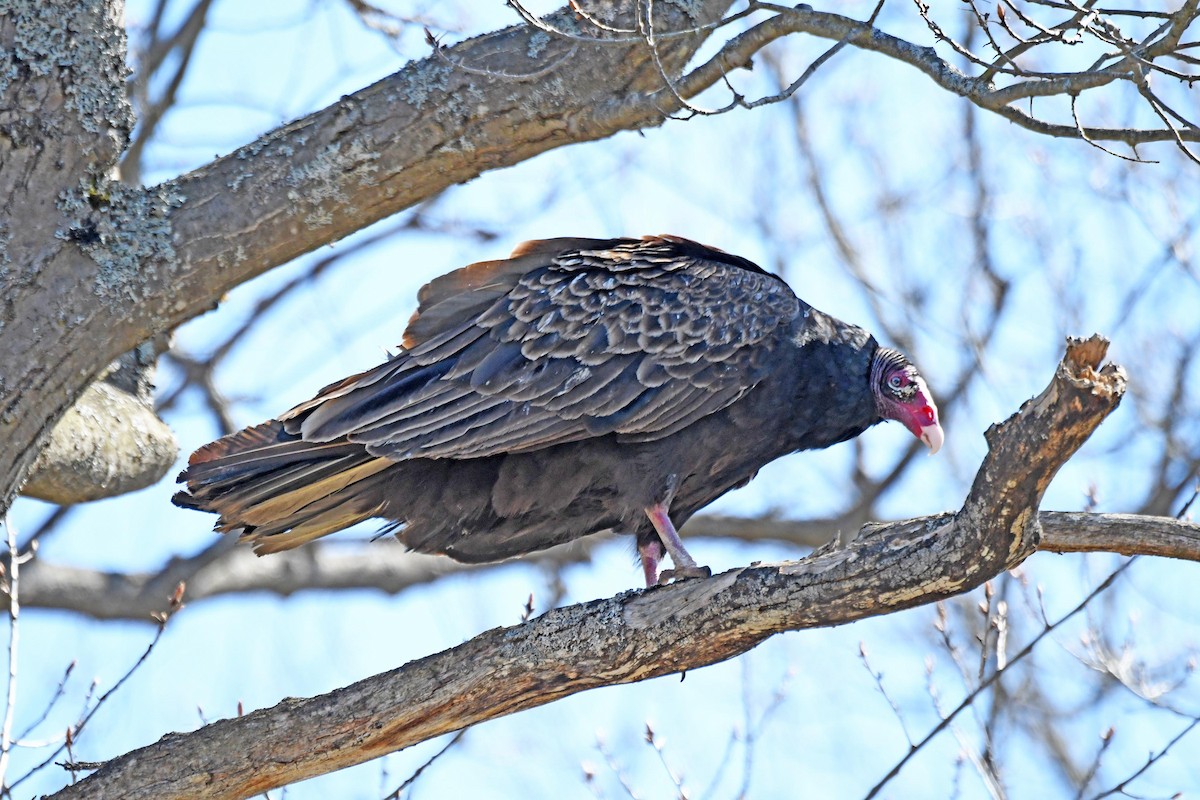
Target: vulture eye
x=895 y=382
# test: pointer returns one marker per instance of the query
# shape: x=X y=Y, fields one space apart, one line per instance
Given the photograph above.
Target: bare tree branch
x=643 y=634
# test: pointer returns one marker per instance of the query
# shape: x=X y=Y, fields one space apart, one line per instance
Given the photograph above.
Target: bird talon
x=683 y=573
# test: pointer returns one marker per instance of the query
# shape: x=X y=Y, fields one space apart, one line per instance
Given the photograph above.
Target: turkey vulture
x=579 y=386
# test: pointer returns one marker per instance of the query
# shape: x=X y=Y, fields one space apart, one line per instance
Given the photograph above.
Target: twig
x=631 y=35
x=675 y=778
x=1105 y=740
x=1120 y=787
x=612 y=764
x=58 y=695
x=878 y=678
x=995 y=676
x=1161 y=111
x=14 y=613
x=440 y=52
x=73 y=733
x=411 y=779
x=1084 y=135
x=50 y=524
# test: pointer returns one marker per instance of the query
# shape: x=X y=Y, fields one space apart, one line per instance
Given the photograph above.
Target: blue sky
x=1063 y=216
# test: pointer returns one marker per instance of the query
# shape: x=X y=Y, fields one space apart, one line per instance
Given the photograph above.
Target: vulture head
x=901 y=394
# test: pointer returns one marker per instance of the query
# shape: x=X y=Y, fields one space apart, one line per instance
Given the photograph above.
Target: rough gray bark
x=644 y=634
x=64 y=120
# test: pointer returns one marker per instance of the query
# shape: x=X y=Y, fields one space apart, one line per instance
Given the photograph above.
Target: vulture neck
x=830 y=393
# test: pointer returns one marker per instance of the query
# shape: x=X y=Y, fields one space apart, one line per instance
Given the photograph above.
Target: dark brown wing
x=568 y=339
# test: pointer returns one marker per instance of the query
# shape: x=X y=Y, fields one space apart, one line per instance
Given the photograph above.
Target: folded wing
x=568 y=339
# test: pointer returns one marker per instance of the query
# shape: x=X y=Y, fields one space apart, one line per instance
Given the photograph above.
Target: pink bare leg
x=651 y=552
x=685 y=565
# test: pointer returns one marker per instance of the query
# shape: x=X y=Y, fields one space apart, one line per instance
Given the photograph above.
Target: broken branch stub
x=1026 y=450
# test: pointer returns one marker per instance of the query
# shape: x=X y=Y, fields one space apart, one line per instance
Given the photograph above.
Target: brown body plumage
x=578 y=386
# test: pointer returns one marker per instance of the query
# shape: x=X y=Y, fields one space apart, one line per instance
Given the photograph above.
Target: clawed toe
x=683 y=573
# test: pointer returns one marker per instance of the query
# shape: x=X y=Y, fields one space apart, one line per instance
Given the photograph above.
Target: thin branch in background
x=969 y=700
x=411 y=779
x=389 y=23
x=53 y=522
x=174 y=604
x=59 y=692
x=754 y=729
x=723 y=762
x=878 y=678
x=200 y=372
x=941 y=624
x=1106 y=739
x=984 y=608
x=956 y=782
x=1002 y=698
x=748 y=737
x=676 y=778
x=1150 y=761
x=870 y=488
x=151 y=113
x=611 y=762
x=14 y=613
x=966 y=749
x=1000 y=623
x=983 y=261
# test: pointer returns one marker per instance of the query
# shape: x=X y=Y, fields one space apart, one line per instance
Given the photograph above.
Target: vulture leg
x=651 y=552
x=685 y=565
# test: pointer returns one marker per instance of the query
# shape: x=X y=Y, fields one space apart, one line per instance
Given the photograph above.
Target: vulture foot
x=683 y=573
x=669 y=541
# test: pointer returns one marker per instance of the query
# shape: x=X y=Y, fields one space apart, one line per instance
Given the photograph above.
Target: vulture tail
x=278 y=491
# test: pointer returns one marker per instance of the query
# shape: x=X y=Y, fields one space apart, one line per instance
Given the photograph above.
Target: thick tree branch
x=644 y=634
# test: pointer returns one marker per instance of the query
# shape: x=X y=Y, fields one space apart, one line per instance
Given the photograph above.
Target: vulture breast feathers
x=571 y=388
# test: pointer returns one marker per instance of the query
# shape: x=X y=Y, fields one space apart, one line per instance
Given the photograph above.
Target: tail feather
x=290 y=496
x=279 y=491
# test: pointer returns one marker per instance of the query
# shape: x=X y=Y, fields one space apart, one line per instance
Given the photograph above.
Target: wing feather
x=565 y=340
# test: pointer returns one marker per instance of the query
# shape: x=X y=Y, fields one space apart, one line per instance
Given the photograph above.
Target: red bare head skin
x=901 y=394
